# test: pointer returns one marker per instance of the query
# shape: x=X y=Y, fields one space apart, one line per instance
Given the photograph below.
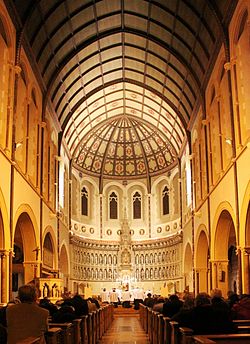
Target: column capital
x=246 y=250
x=4 y=253
x=228 y=65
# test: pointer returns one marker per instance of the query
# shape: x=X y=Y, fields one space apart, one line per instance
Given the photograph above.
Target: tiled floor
x=125 y=330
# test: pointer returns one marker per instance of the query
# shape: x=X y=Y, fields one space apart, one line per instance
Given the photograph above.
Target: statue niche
x=126 y=257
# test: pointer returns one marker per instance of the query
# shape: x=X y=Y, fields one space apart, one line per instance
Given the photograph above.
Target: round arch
x=201 y=261
x=188 y=268
x=26 y=250
x=6 y=27
x=225 y=274
x=5 y=240
x=64 y=265
x=244 y=240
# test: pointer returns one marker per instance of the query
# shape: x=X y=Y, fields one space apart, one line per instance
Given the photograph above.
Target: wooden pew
x=180 y=334
x=238 y=338
x=166 y=330
x=84 y=329
x=67 y=333
x=94 y=327
x=77 y=330
x=90 y=328
x=155 y=327
x=53 y=335
x=184 y=335
x=242 y=322
x=160 y=329
x=30 y=340
x=150 y=325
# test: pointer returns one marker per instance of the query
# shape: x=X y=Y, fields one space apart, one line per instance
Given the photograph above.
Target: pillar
x=4 y=276
x=245 y=269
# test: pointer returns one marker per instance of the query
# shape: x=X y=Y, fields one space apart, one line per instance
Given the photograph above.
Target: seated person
x=241 y=309
x=172 y=306
x=26 y=319
x=203 y=318
x=80 y=305
x=65 y=314
x=158 y=304
x=47 y=304
x=149 y=301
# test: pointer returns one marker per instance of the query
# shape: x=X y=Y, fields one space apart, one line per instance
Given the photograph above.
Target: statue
x=125 y=257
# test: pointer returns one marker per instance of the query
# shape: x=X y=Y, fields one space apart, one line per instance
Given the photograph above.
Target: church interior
x=124 y=146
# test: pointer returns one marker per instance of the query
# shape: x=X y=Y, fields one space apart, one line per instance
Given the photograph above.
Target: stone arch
x=5 y=240
x=239 y=20
x=201 y=262
x=225 y=274
x=5 y=29
x=63 y=266
x=244 y=240
x=26 y=251
x=246 y=254
x=188 y=268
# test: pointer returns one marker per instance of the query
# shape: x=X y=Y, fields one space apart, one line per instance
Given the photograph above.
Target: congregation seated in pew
x=206 y=317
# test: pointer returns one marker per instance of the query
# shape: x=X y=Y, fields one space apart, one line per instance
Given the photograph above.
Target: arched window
x=113 y=200
x=165 y=201
x=137 y=205
x=84 y=198
x=3 y=32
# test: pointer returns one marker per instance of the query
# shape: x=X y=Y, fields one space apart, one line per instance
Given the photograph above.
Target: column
x=3 y=282
x=245 y=269
x=201 y=280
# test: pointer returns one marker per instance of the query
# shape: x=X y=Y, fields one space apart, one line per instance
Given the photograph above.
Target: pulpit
x=50 y=288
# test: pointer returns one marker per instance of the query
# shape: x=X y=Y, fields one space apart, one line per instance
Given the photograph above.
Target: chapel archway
x=188 y=270
x=24 y=267
x=64 y=268
x=225 y=272
x=3 y=266
x=246 y=254
x=201 y=263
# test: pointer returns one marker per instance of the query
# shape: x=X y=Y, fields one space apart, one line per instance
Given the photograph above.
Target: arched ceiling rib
x=124 y=69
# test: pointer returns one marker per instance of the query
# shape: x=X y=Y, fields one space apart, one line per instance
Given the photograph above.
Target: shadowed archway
x=25 y=252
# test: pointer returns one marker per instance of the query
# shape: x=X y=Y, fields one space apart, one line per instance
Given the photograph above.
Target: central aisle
x=125 y=329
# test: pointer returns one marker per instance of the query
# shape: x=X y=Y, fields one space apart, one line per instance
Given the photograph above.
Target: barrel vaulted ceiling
x=125 y=77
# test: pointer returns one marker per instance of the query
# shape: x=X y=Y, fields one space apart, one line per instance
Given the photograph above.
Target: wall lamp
x=18 y=144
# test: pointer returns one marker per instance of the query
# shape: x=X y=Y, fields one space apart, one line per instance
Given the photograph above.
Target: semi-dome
x=118 y=135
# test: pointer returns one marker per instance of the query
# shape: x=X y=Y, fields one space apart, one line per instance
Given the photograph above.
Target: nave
x=125 y=329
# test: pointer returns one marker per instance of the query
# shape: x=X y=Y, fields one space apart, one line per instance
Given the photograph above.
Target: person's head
x=149 y=295
x=27 y=293
x=174 y=298
x=188 y=301
x=104 y=289
x=216 y=293
x=202 y=299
